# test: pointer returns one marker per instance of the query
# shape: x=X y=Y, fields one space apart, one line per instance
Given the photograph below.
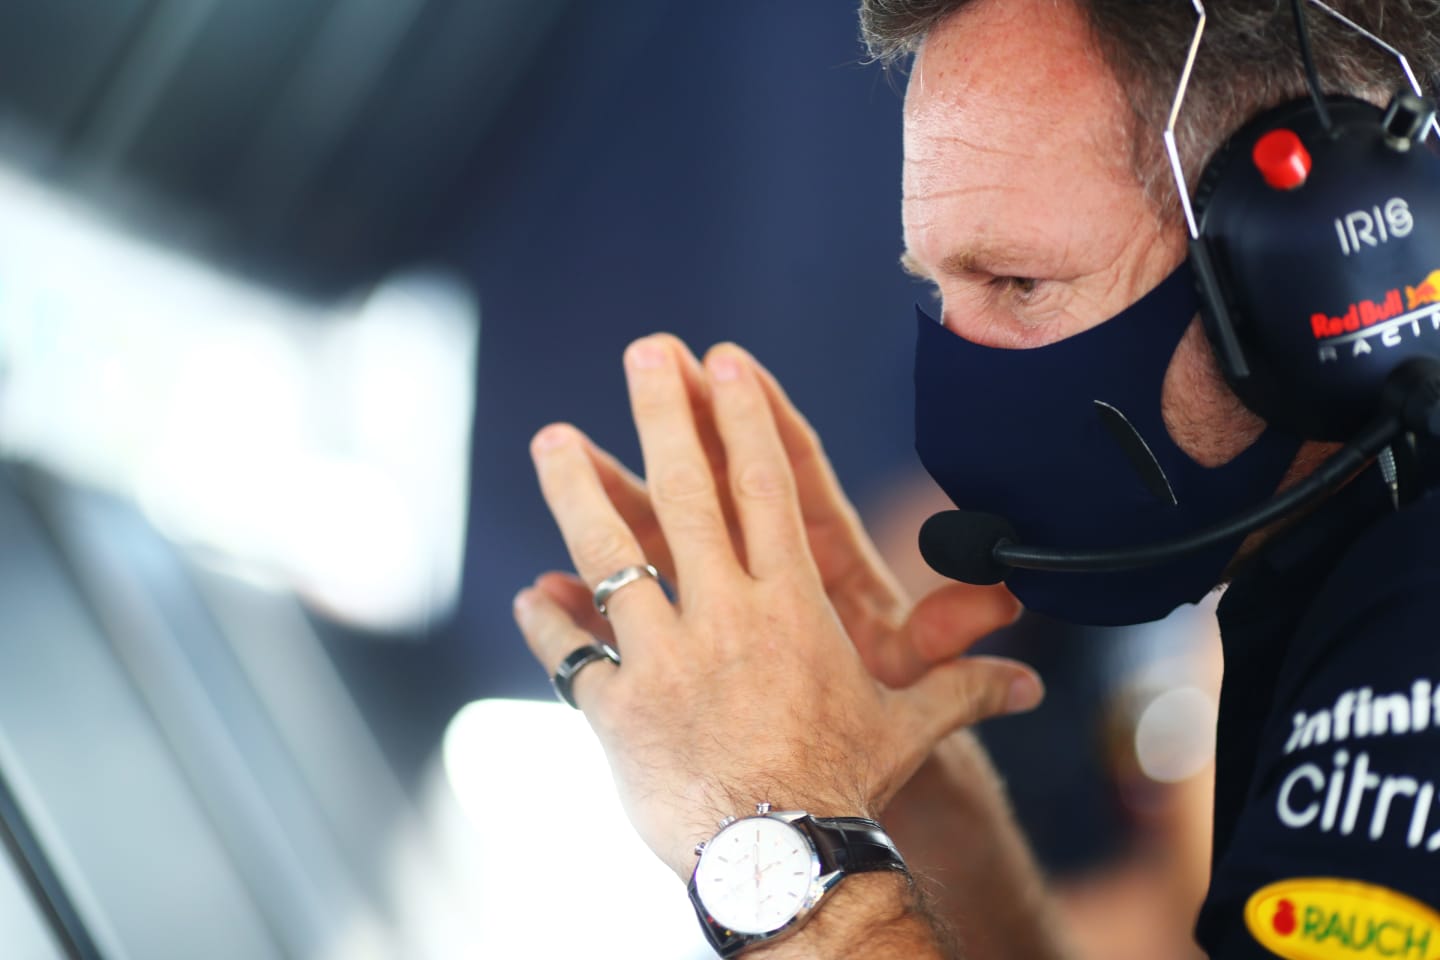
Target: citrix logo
x=1371 y=228
x=1308 y=798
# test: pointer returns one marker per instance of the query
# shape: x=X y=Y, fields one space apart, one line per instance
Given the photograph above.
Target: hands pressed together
x=790 y=668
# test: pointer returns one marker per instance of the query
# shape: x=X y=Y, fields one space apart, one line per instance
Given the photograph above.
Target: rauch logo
x=1318 y=918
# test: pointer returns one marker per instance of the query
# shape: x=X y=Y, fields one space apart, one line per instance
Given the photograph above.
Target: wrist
x=763 y=877
x=715 y=807
x=870 y=915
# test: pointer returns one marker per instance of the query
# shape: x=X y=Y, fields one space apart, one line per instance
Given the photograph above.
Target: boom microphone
x=982 y=549
x=961 y=545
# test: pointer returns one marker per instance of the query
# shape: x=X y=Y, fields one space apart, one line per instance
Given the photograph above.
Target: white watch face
x=756 y=875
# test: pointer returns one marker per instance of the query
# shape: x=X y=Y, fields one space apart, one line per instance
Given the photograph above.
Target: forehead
x=995 y=54
x=1012 y=117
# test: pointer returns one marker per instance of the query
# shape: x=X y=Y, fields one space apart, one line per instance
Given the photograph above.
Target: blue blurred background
x=286 y=286
x=723 y=172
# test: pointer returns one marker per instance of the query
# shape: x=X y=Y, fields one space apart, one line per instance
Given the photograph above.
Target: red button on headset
x=1283 y=160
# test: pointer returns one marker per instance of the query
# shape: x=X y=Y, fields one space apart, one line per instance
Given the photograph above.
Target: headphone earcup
x=1313 y=292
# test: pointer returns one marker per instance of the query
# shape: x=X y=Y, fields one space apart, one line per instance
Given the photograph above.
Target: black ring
x=576 y=661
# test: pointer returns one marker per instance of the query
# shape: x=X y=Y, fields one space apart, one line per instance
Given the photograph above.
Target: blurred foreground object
x=327 y=448
x=319 y=143
x=618 y=901
x=186 y=761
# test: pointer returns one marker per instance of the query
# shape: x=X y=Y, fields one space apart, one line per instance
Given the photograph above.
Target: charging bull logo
x=1427 y=292
x=1406 y=312
x=1326 y=919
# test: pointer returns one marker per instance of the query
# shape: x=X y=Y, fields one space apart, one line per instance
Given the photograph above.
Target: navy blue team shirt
x=1327 y=794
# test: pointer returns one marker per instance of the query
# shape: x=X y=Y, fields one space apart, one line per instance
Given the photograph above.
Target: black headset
x=1318 y=255
x=1315 y=244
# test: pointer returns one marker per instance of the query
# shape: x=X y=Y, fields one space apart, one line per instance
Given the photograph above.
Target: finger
x=697 y=385
x=629 y=494
x=865 y=594
x=759 y=476
x=552 y=636
x=575 y=598
x=944 y=624
x=682 y=488
x=599 y=542
x=632 y=500
x=966 y=690
x=837 y=535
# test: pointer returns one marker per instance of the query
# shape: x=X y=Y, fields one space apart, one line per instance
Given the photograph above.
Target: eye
x=1021 y=287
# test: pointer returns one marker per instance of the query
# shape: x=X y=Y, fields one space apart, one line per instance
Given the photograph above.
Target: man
x=790 y=671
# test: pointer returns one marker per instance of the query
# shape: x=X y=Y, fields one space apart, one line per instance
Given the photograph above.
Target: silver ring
x=624 y=578
x=563 y=679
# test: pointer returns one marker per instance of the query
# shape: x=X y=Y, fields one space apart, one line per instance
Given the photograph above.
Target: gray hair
x=1249 y=61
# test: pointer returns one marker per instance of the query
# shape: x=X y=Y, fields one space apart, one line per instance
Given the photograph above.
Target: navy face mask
x=1067 y=442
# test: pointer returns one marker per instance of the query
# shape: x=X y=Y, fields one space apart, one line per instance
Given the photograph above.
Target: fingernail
x=1025 y=695
x=724 y=368
x=523 y=603
x=550 y=438
x=645 y=355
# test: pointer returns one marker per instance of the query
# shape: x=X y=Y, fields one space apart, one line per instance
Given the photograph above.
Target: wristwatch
x=762 y=876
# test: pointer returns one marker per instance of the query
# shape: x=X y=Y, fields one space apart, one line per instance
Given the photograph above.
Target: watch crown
x=699 y=848
x=726 y=822
x=762 y=808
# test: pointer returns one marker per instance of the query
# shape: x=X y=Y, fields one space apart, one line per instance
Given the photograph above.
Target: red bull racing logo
x=1383 y=324
x=1366 y=313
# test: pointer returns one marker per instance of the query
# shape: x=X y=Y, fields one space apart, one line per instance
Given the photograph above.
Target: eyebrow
x=995 y=260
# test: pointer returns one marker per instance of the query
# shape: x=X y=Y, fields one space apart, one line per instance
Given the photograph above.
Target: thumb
x=970 y=689
x=944 y=624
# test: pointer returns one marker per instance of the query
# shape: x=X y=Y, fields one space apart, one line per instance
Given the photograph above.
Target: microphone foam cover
x=961 y=545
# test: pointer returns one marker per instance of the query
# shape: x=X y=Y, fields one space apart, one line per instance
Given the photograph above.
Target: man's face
x=1020 y=201
x=1022 y=207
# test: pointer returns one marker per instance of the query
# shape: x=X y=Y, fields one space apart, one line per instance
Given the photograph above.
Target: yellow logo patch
x=1317 y=918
